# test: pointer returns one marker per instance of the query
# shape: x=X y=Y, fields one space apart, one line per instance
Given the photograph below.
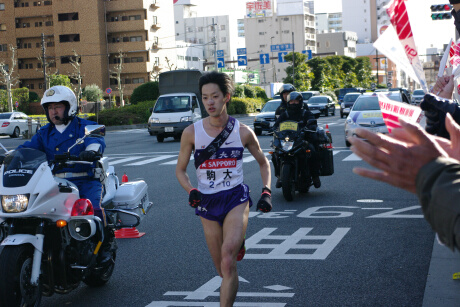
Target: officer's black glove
x=194 y=198
x=88 y=155
x=433 y=123
x=265 y=202
x=430 y=101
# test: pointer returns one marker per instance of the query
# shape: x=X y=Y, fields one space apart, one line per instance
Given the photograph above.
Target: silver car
x=366 y=114
x=417 y=97
x=15 y=123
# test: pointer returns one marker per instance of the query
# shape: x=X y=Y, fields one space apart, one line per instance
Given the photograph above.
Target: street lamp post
x=273 y=62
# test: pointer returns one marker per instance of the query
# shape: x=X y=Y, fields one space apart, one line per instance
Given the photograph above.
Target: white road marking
x=151 y=160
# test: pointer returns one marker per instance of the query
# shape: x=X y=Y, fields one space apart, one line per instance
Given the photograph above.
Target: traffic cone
x=128 y=233
x=124 y=178
x=328 y=133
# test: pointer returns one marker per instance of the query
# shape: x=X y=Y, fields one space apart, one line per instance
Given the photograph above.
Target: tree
x=6 y=77
x=46 y=69
x=145 y=92
x=322 y=71
x=92 y=92
x=60 y=80
x=76 y=75
x=116 y=74
x=302 y=73
x=364 y=72
x=170 y=65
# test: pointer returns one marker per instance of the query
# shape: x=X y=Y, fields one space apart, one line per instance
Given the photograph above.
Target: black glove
x=88 y=155
x=433 y=123
x=265 y=202
x=431 y=101
x=194 y=198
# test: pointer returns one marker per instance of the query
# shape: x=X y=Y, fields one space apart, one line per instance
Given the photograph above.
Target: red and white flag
x=399 y=18
x=393 y=110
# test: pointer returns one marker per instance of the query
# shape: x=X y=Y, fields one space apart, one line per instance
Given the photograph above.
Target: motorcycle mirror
x=95 y=130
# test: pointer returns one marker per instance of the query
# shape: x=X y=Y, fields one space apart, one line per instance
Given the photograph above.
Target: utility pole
x=293 y=60
x=44 y=60
x=377 y=58
x=215 y=43
x=273 y=62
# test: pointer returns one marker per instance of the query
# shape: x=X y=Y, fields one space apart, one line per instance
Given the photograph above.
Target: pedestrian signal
x=441 y=11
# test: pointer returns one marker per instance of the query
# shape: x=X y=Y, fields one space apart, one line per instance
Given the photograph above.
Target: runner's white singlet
x=224 y=170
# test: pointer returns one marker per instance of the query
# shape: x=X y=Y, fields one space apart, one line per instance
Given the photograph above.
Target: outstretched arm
x=187 y=144
x=252 y=144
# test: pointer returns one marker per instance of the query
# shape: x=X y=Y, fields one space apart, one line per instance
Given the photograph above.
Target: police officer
x=62 y=131
x=298 y=111
x=284 y=92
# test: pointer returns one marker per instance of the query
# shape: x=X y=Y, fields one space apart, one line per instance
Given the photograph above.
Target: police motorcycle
x=293 y=152
x=52 y=235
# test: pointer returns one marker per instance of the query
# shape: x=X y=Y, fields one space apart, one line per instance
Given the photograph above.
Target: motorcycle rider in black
x=298 y=111
x=284 y=92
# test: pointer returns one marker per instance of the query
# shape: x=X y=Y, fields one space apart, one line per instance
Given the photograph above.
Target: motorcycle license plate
x=169 y=129
x=288 y=125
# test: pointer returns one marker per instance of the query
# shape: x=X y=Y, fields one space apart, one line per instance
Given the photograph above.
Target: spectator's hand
x=88 y=155
x=194 y=198
x=431 y=102
x=265 y=202
x=399 y=157
x=444 y=87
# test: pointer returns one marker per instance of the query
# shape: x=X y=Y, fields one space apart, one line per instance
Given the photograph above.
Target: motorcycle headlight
x=287 y=145
x=186 y=119
x=14 y=203
x=154 y=120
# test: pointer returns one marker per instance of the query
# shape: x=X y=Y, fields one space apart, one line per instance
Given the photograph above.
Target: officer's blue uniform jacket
x=49 y=140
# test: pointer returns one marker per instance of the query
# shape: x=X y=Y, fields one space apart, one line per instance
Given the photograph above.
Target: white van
x=178 y=106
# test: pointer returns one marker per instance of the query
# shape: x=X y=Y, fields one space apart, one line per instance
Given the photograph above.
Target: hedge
x=140 y=113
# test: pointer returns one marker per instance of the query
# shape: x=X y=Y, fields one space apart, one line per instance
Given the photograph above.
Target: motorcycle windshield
x=20 y=165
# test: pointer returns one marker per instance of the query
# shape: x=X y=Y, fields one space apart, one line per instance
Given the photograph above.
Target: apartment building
x=97 y=31
x=291 y=22
x=328 y=22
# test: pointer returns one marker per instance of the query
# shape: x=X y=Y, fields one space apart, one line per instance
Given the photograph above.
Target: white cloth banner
x=388 y=44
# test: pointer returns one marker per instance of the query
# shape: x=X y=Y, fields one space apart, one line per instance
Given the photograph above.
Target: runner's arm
x=252 y=144
x=186 y=148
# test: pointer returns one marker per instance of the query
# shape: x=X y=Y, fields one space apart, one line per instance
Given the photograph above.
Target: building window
x=135 y=17
x=328 y=44
x=49 y=23
x=68 y=59
x=138 y=80
x=222 y=27
x=38 y=24
x=68 y=16
x=317 y=44
x=2 y=6
x=2 y=27
x=261 y=33
x=69 y=38
x=261 y=20
x=3 y=47
x=135 y=39
x=223 y=39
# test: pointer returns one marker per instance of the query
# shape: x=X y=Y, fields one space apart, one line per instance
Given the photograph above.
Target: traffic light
x=441 y=11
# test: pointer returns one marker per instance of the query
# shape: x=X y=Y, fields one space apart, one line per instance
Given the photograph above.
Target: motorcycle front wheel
x=288 y=185
x=100 y=276
x=15 y=273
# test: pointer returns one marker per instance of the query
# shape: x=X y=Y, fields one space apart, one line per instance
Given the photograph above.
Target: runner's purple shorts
x=215 y=207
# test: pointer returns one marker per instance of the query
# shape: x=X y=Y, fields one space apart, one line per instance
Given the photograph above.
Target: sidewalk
x=441 y=289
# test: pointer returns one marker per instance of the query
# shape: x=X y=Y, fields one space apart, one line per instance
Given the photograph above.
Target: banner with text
x=393 y=110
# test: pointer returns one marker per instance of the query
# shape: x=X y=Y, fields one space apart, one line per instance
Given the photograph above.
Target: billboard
x=262 y=8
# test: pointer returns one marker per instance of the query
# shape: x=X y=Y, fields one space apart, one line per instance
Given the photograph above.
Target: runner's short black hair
x=222 y=80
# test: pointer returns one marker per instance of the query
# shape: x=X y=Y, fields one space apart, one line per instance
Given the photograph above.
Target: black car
x=266 y=119
x=324 y=104
x=348 y=101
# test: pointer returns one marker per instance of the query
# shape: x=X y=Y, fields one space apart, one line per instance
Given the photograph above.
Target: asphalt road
x=352 y=242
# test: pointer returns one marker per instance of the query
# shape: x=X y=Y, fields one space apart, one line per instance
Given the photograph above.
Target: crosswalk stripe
x=352 y=157
x=175 y=161
x=125 y=160
x=151 y=160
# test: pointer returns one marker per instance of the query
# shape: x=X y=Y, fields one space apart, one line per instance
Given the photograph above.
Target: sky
x=329 y=6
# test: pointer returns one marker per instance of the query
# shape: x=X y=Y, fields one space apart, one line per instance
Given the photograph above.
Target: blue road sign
x=308 y=52
x=281 y=56
x=240 y=51
x=220 y=53
x=281 y=47
x=220 y=63
x=264 y=58
x=274 y=48
x=242 y=60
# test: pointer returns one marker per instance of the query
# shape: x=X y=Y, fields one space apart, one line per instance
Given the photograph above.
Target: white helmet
x=62 y=94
